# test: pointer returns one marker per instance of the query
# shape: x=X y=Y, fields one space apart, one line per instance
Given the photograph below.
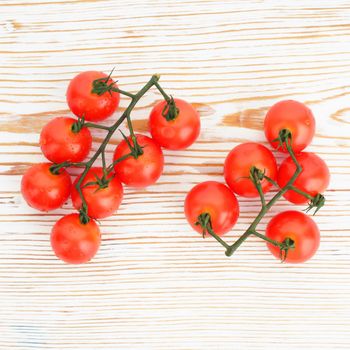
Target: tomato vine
x=256 y=176
x=101 y=86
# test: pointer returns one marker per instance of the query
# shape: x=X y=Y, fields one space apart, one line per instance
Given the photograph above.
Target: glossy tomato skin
x=215 y=199
x=59 y=143
x=300 y=228
x=74 y=242
x=239 y=162
x=176 y=134
x=83 y=103
x=294 y=116
x=313 y=179
x=102 y=202
x=144 y=170
x=43 y=190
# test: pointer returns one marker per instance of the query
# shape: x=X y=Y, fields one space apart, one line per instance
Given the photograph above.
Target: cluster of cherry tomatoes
x=250 y=170
x=66 y=142
x=219 y=202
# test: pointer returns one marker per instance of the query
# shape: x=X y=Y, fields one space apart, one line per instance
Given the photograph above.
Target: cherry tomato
x=239 y=162
x=298 y=227
x=178 y=133
x=44 y=190
x=60 y=143
x=74 y=242
x=215 y=199
x=144 y=170
x=313 y=179
x=102 y=202
x=84 y=103
x=293 y=116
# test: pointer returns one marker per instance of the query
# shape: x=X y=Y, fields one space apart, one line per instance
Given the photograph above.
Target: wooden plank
x=155 y=284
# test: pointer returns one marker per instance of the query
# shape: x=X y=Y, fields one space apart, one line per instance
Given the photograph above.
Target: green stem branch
x=111 y=131
x=164 y=94
x=96 y=126
x=299 y=191
x=123 y=92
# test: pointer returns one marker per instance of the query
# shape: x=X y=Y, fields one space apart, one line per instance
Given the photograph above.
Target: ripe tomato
x=239 y=162
x=102 y=202
x=215 y=199
x=74 y=242
x=313 y=179
x=44 y=190
x=60 y=143
x=144 y=170
x=293 y=116
x=178 y=133
x=84 y=103
x=298 y=227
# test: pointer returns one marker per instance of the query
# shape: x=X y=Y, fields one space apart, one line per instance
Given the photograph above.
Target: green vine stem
x=256 y=176
x=101 y=86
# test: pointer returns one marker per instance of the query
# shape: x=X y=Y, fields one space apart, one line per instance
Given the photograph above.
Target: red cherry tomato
x=178 y=133
x=239 y=162
x=84 y=103
x=313 y=179
x=298 y=227
x=74 y=242
x=215 y=199
x=44 y=190
x=144 y=170
x=293 y=116
x=60 y=143
x=102 y=202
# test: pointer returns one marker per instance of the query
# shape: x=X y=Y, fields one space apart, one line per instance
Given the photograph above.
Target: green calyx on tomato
x=104 y=84
x=170 y=111
x=316 y=202
x=135 y=149
x=284 y=137
x=285 y=246
x=78 y=125
x=204 y=223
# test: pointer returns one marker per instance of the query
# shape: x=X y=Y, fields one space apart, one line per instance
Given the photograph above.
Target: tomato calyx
x=256 y=175
x=101 y=183
x=135 y=149
x=78 y=125
x=55 y=168
x=204 y=220
x=317 y=202
x=101 y=86
x=83 y=215
x=170 y=111
x=284 y=139
x=285 y=246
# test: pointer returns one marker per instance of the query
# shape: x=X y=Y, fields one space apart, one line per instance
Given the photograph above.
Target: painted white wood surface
x=155 y=284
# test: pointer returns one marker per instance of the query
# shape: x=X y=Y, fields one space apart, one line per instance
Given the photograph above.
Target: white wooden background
x=155 y=284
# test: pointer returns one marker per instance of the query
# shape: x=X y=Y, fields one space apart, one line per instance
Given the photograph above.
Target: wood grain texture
x=155 y=284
